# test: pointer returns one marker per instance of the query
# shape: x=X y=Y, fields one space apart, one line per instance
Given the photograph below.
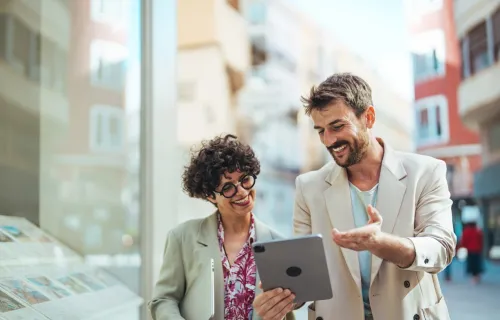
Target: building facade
x=91 y=157
x=213 y=57
x=478 y=29
x=286 y=62
x=440 y=132
x=33 y=98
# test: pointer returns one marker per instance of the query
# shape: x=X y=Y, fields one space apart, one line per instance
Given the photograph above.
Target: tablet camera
x=293 y=271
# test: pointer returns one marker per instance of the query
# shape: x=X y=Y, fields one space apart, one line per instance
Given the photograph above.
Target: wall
x=204 y=96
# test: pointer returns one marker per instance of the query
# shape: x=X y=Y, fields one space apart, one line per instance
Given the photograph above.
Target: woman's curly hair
x=215 y=157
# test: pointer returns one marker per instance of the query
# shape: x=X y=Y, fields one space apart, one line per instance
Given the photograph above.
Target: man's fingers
x=373 y=214
x=351 y=234
x=336 y=232
x=337 y=235
x=347 y=243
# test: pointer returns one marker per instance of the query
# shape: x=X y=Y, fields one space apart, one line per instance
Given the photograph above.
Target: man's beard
x=356 y=151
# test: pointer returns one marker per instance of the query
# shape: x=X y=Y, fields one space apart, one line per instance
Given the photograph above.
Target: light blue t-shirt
x=360 y=201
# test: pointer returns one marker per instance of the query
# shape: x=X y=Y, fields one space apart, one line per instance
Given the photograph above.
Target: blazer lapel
x=338 y=204
x=209 y=243
x=391 y=190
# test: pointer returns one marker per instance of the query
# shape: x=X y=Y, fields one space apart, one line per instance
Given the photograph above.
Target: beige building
x=213 y=58
x=284 y=62
x=478 y=28
x=316 y=64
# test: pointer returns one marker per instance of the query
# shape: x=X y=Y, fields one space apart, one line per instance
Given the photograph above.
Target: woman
x=223 y=172
x=472 y=240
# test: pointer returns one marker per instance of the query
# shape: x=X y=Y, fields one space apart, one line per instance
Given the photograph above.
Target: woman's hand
x=274 y=304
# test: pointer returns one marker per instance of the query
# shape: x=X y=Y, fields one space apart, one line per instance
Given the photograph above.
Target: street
x=473 y=302
x=465 y=301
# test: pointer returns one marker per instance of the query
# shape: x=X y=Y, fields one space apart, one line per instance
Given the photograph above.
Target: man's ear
x=370 y=117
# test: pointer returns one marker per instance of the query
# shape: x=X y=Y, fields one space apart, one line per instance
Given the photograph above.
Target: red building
x=437 y=74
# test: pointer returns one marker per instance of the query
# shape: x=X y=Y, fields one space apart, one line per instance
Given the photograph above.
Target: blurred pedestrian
x=472 y=240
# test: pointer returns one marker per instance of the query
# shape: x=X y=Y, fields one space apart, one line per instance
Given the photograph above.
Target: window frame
x=478 y=46
x=100 y=51
x=431 y=46
x=109 y=17
x=104 y=113
x=432 y=103
x=495 y=20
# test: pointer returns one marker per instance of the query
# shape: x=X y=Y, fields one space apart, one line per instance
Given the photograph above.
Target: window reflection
x=70 y=91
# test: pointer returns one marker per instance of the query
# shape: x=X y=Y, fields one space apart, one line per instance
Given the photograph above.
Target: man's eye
x=337 y=128
x=320 y=132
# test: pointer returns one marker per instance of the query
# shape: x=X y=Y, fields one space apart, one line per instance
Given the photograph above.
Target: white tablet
x=298 y=264
x=212 y=289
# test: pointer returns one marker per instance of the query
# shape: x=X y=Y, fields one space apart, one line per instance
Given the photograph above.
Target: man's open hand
x=362 y=238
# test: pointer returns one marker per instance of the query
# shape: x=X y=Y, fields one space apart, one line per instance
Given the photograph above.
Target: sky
x=378 y=33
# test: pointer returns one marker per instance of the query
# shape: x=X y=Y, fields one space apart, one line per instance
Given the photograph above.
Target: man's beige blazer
x=414 y=201
x=179 y=292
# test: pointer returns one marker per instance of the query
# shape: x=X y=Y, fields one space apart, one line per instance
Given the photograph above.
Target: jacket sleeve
x=434 y=239
x=301 y=214
x=170 y=288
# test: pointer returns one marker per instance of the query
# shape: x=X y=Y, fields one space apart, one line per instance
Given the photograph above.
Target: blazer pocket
x=311 y=312
x=439 y=311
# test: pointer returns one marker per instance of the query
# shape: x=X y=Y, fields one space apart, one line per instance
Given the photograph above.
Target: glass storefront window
x=70 y=125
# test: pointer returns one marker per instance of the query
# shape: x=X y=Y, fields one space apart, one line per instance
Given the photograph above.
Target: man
x=388 y=213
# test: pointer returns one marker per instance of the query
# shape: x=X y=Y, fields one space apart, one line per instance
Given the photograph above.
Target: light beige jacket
x=188 y=249
x=414 y=201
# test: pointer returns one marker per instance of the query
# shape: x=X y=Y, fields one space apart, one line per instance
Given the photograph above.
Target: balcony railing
x=31 y=96
x=469 y=13
x=478 y=94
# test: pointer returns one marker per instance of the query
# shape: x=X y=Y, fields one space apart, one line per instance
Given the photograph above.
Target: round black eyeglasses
x=229 y=189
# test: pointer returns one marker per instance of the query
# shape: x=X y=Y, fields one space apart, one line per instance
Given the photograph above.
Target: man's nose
x=329 y=138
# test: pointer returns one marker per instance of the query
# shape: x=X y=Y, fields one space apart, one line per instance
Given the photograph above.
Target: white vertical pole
x=160 y=183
